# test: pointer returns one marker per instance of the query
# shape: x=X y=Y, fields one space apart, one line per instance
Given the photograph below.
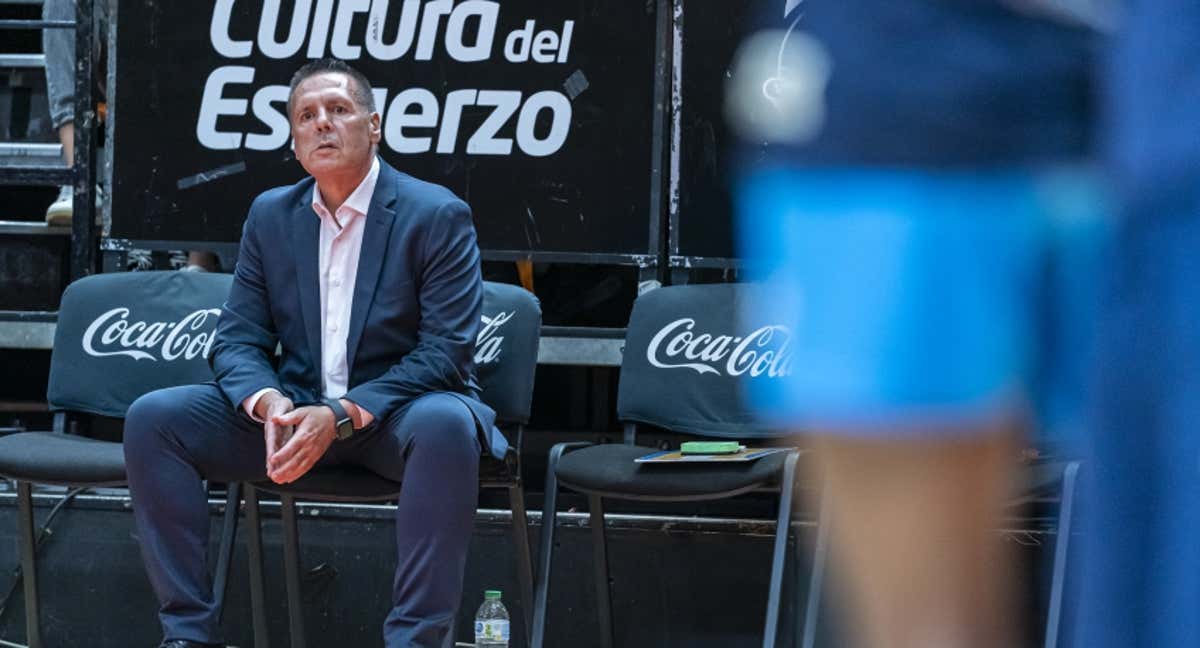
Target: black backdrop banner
x=538 y=113
x=704 y=212
x=702 y=218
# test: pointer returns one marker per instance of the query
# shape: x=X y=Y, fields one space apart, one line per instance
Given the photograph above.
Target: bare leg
x=912 y=538
x=66 y=135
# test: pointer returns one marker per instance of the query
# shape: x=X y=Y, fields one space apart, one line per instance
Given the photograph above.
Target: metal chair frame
x=27 y=538
x=291 y=546
x=600 y=547
x=1062 y=545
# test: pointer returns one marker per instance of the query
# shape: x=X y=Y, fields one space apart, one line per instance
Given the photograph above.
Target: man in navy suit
x=369 y=282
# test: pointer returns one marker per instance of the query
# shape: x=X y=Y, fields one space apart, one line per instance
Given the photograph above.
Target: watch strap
x=342 y=421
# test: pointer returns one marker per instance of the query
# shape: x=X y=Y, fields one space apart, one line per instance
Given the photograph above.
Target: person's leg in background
x=58 y=45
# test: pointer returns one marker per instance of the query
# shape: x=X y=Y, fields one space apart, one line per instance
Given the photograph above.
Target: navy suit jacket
x=413 y=319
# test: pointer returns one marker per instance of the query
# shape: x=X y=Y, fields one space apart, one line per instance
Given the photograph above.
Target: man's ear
x=376 y=132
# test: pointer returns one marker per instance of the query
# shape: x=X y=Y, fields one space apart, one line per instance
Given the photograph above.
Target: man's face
x=333 y=135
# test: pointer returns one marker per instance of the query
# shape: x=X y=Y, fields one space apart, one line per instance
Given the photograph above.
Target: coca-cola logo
x=489 y=342
x=114 y=334
x=763 y=351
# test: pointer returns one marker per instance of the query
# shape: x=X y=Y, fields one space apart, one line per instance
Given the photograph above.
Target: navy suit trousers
x=176 y=438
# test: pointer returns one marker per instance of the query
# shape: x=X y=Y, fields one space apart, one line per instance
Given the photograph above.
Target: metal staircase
x=40 y=164
x=25 y=164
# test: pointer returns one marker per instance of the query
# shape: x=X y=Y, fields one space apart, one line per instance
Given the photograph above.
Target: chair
x=118 y=336
x=685 y=357
x=505 y=357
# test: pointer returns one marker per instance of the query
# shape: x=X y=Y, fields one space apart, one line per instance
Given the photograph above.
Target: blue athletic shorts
x=921 y=302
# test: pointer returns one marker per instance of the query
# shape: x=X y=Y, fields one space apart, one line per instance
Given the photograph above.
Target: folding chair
x=685 y=357
x=505 y=357
x=118 y=336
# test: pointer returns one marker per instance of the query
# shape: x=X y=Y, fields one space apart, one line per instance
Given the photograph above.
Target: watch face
x=345 y=429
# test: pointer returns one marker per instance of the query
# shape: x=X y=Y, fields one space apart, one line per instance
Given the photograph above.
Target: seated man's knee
x=146 y=417
x=442 y=424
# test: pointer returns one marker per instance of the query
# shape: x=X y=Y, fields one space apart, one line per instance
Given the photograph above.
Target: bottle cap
x=491 y=594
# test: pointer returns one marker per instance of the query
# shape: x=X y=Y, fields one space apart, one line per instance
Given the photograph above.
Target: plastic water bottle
x=491 y=622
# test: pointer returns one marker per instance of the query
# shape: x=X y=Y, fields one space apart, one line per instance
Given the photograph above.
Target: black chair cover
x=688 y=356
x=121 y=335
x=506 y=349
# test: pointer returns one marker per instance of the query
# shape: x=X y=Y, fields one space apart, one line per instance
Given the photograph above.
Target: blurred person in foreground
x=916 y=196
x=1141 y=568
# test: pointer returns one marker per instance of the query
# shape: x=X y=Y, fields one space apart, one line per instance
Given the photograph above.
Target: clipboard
x=744 y=455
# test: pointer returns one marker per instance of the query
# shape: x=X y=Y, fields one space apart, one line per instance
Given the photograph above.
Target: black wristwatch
x=341 y=420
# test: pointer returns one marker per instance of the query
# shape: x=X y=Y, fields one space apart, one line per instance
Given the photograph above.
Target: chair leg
x=1062 y=542
x=254 y=555
x=520 y=531
x=600 y=565
x=545 y=558
x=291 y=569
x=233 y=497
x=26 y=529
x=787 y=486
x=537 y=635
x=816 y=579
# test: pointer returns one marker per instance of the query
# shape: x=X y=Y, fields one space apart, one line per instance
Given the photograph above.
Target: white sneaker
x=59 y=212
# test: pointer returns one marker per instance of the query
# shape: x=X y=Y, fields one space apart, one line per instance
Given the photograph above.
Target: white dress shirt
x=339 y=250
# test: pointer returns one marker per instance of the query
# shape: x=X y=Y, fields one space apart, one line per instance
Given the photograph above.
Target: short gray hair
x=360 y=88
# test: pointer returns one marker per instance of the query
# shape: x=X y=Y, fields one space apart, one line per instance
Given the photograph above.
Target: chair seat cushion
x=61 y=459
x=356 y=484
x=610 y=470
x=335 y=484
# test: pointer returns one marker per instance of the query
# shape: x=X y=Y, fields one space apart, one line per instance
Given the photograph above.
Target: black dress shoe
x=184 y=643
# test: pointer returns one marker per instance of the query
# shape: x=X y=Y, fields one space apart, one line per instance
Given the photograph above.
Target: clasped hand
x=296 y=437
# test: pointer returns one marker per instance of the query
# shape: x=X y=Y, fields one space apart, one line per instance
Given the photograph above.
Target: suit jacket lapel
x=376 y=230
x=306 y=244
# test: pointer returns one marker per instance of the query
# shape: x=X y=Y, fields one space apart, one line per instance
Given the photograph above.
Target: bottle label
x=491 y=629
